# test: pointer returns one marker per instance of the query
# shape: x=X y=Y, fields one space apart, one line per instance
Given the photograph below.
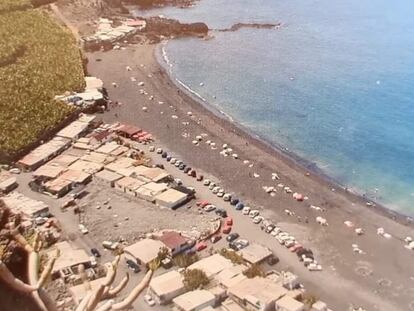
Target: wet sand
x=380 y=279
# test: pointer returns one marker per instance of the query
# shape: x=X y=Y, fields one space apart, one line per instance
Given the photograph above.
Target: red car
x=226 y=229
x=202 y=204
x=229 y=221
x=200 y=246
x=215 y=238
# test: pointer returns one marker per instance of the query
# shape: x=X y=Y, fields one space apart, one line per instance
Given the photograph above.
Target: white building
x=166 y=287
x=195 y=300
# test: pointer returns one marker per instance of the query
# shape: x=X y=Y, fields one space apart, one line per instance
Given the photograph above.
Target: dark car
x=187 y=169
x=200 y=177
x=164 y=154
x=269 y=228
x=239 y=206
x=133 y=266
x=234 y=201
x=231 y=237
x=272 y=260
x=182 y=166
x=161 y=166
x=95 y=252
x=233 y=246
x=190 y=251
x=193 y=173
x=168 y=158
x=221 y=212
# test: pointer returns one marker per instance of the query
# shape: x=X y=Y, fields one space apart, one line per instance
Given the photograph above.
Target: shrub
x=253 y=271
x=232 y=256
x=184 y=260
x=194 y=279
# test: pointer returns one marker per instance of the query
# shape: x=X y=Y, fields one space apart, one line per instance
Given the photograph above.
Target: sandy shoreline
x=342 y=277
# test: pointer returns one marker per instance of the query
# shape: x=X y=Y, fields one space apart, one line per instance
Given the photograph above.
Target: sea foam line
x=190 y=89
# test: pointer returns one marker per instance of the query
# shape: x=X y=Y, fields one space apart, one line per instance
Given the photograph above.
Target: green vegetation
x=185 y=260
x=11 y=5
x=232 y=256
x=38 y=60
x=194 y=279
x=253 y=271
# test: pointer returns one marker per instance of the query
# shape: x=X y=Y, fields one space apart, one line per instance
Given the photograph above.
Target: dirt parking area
x=122 y=216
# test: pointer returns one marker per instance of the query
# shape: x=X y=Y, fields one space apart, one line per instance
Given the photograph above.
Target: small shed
x=107 y=177
x=143 y=251
x=195 y=300
x=171 y=198
x=287 y=303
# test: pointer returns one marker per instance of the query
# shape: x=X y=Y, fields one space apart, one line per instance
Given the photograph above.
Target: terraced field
x=38 y=60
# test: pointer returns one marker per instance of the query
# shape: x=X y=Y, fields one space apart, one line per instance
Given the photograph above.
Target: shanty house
x=128 y=130
x=257 y=294
x=166 y=287
x=287 y=303
x=7 y=182
x=107 y=177
x=171 y=198
x=43 y=153
x=19 y=203
x=175 y=242
x=255 y=253
x=195 y=300
x=128 y=185
x=58 y=187
x=143 y=251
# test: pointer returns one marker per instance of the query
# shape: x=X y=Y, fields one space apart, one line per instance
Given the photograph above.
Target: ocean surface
x=334 y=85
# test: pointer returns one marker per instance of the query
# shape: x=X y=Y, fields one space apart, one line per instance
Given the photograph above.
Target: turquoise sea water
x=334 y=85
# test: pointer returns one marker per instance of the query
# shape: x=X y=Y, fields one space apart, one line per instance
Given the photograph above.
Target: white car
x=242 y=242
x=227 y=197
x=209 y=208
x=206 y=182
x=246 y=210
x=276 y=231
x=15 y=170
x=83 y=229
x=220 y=194
x=212 y=186
x=159 y=150
x=173 y=160
x=314 y=267
x=40 y=220
x=148 y=299
x=178 y=181
x=289 y=243
x=216 y=190
x=254 y=213
x=177 y=164
x=258 y=219
x=152 y=149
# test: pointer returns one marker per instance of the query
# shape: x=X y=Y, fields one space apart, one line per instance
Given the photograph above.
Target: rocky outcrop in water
x=238 y=26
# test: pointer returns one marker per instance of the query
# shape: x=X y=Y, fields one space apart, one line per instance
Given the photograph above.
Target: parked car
x=269 y=228
x=215 y=238
x=148 y=299
x=258 y=219
x=211 y=186
x=231 y=237
x=182 y=166
x=164 y=154
x=221 y=212
x=220 y=194
x=200 y=246
x=206 y=182
x=173 y=160
x=192 y=173
x=178 y=163
x=296 y=247
x=246 y=210
x=234 y=201
x=227 y=197
x=83 y=229
x=202 y=203
x=178 y=181
x=239 y=206
x=209 y=208
x=272 y=260
x=244 y=243
x=215 y=190
x=159 y=150
x=229 y=221
x=226 y=229
x=187 y=169
x=254 y=213
x=200 y=177
x=151 y=149
x=133 y=266
x=233 y=246
x=275 y=231
x=95 y=252
x=168 y=158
